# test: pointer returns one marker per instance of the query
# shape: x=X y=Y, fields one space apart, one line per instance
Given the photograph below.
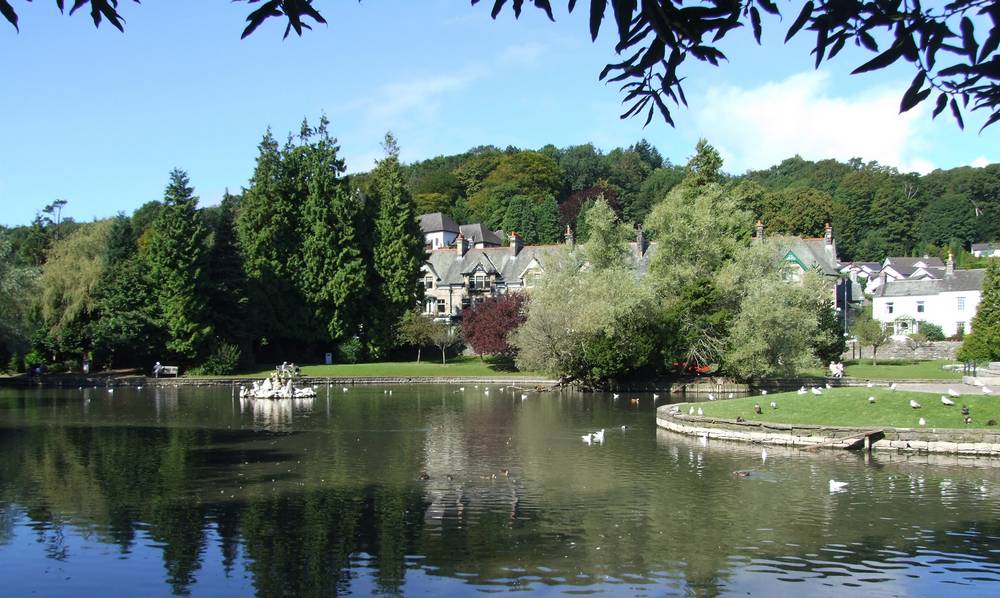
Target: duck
x=922 y=422
x=700 y=412
x=741 y=473
x=946 y=401
x=914 y=404
x=587 y=439
x=424 y=476
x=757 y=409
x=816 y=391
x=892 y=386
x=871 y=400
x=870 y=385
x=953 y=393
x=965 y=410
x=524 y=397
x=730 y=395
x=828 y=385
x=774 y=404
x=599 y=436
x=763 y=393
x=836 y=486
x=802 y=391
x=344 y=389
x=691 y=410
x=968 y=419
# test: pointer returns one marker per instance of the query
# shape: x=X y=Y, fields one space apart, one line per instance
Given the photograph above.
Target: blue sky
x=99 y=118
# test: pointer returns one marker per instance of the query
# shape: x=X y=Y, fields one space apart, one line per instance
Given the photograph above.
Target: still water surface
x=189 y=491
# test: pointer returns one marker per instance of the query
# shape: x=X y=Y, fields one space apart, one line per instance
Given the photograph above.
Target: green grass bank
x=850 y=407
x=895 y=370
x=459 y=367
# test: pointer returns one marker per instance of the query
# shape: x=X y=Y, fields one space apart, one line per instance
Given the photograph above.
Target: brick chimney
x=828 y=234
x=515 y=243
x=569 y=236
x=640 y=242
x=460 y=245
x=759 y=236
x=949 y=266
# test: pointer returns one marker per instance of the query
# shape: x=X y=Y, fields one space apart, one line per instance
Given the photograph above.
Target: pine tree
x=176 y=258
x=547 y=219
x=398 y=251
x=332 y=275
x=227 y=284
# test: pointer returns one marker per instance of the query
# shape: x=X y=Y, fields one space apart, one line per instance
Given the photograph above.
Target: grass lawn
x=428 y=368
x=850 y=407
x=895 y=370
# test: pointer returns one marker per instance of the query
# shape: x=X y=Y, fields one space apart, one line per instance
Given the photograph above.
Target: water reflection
x=431 y=489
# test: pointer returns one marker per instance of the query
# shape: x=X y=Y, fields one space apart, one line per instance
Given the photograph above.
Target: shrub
x=16 y=364
x=223 y=361
x=932 y=331
x=350 y=351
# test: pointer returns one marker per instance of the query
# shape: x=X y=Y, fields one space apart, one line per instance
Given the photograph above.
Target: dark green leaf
x=597 y=8
x=942 y=101
x=882 y=60
x=969 y=39
x=804 y=15
x=912 y=93
x=957 y=114
x=991 y=44
x=989 y=121
x=755 y=21
x=8 y=12
x=769 y=7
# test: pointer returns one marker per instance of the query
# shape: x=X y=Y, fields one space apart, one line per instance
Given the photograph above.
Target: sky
x=99 y=118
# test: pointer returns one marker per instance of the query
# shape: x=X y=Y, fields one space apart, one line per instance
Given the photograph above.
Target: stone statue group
x=278 y=385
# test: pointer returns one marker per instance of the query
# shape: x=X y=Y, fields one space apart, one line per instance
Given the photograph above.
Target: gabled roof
x=911 y=262
x=812 y=253
x=961 y=280
x=437 y=222
x=477 y=233
x=985 y=246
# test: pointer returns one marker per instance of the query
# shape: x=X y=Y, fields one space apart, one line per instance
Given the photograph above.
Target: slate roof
x=961 y=280
x=813 y=253
x=451 y=269
x=437 y=222
x=910 y=262
x=477 y=233
x=985 y=246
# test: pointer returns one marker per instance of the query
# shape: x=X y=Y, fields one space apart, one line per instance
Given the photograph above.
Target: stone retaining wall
x=899 y=350
x=982 y=442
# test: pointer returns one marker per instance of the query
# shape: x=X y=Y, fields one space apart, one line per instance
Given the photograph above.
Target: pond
x=435 y=489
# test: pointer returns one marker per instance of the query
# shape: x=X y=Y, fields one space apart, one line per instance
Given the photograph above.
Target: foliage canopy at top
x=657 y=36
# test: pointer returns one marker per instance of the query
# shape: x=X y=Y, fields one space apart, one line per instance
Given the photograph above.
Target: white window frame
x=961 y=303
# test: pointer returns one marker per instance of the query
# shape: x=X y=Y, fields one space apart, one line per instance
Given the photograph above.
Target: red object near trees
x=487 y=326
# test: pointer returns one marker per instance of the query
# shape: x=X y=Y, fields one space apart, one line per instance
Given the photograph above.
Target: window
x=531 y=277
x=440 y=306
x=428 y=282
x=961 y=303
x=920 y=307
x=959 y=327
x=888 y=308
x=429 y=305
x=479 y=282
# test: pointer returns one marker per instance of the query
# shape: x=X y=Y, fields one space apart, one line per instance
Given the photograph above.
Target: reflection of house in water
x=165 y=400
x=460 y=484
x=275 y=414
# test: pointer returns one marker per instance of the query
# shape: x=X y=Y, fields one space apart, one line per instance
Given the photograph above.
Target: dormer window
x=531 y=277
x=480 y=282
x=428 y=282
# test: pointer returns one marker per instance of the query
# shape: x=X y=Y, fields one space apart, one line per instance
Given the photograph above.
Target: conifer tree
x=547 y=220
x=176 y=259
x=332 y=272
x=983 y=343
x=398 y=250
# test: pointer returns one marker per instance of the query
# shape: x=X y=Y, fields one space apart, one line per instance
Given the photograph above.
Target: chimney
x=949 y=266
x=759 y=236
x=515 y=243
x=569 y=236
x=828 y=234
x=460 y=245
x=640 y=242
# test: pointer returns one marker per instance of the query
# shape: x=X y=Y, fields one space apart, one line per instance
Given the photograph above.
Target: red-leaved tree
x=487 y=326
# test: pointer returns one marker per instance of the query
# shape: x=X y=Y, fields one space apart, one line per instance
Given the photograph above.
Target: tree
x=414 y=328
x=17 y=287
x=487 y=327
x=917 y=341
x=983 y=343
x=398 y=252
x=177 y=266
x=871 y=333
x=658 y=36
x=445 y=336
x=605 y=247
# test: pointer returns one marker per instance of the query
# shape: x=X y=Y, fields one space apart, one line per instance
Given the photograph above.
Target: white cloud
x=759 y=127
x=525 y=55
x=419 y=94
x=980 y=162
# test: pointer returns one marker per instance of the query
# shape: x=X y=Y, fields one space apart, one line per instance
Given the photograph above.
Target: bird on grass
x=965 y=410
x=711 y=397
x=774 y=405
x=870 y=385
x=968 y=419
x=953 y=393
x=828 y=385
x=816 y=391
x=914 y=404
x=700 y=412
x=757 y=409
x=836 y=486
x=730 y=395
x=763 y=392
x=691 y=410
x=946 y=401
x=992 y=422
x=871 y=399
x=892 y=386
x=922 y=421
x=802 y=391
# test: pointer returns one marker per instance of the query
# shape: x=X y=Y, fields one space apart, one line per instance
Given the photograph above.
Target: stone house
x=986 y=249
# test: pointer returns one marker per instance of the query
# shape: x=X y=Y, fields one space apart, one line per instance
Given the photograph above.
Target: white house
x=949 y=301
x=986 y=249
x=905 y=268
x=439 y=230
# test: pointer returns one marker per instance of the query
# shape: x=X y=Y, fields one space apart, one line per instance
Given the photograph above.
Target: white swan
x=953 y=393
x=599 y=436
x=816 y=391
x=946 y=401
x=836 y=486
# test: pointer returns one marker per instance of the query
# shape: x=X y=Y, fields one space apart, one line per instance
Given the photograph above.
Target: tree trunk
x=443 y=362
x=418 y=353
x=874 y=351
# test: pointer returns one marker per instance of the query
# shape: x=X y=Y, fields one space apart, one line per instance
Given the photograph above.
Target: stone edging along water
x=979 y=441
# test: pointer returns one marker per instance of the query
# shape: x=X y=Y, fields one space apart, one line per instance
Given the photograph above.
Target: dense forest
x=306 y=259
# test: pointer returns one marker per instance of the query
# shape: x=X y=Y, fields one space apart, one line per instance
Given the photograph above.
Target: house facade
x=439 y=230
x=949 y=301
x=905 y=268
x=986 y=249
